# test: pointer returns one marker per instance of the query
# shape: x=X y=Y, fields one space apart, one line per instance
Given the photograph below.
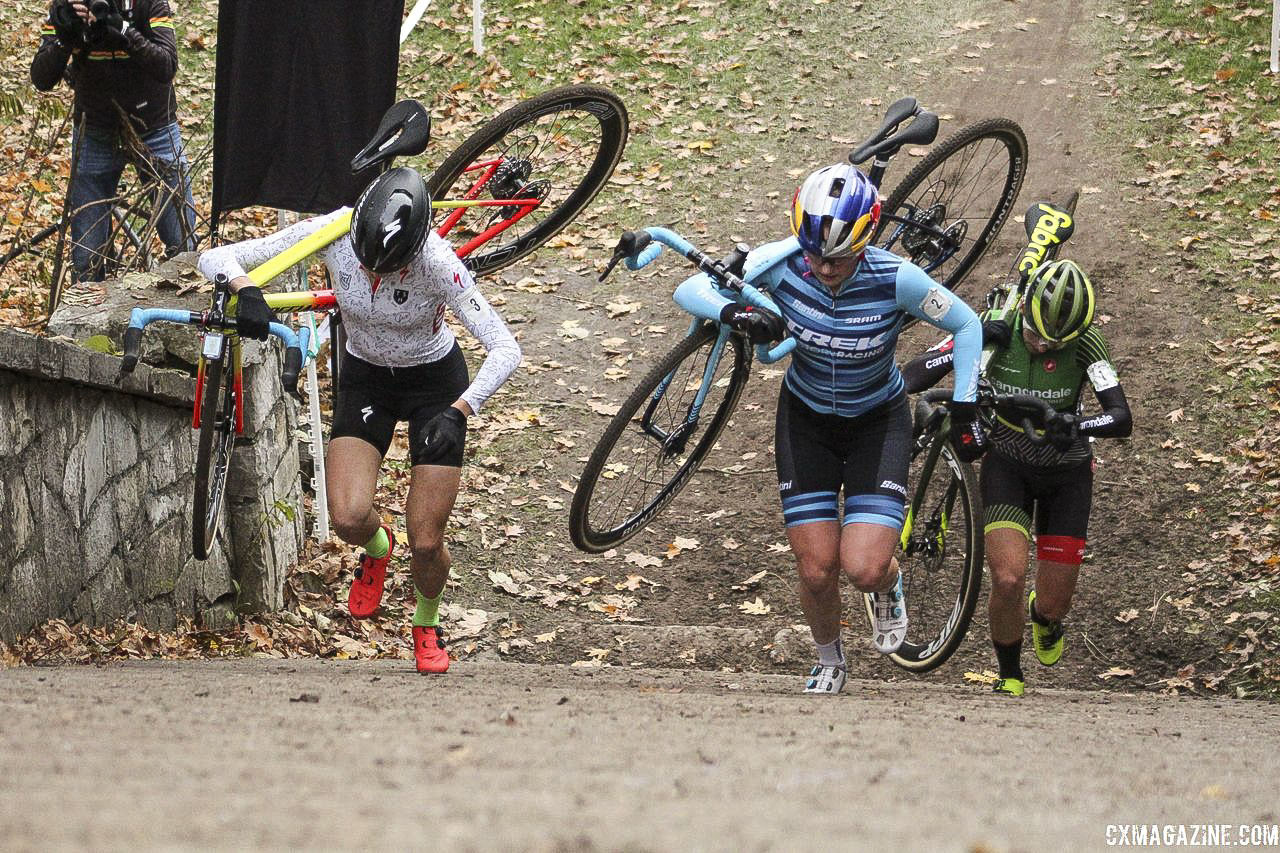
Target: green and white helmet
x=1059 y=302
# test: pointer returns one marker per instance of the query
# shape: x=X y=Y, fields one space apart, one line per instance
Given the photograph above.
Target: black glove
x=67 y=25
x=108 y=27
x=967 y=435
x=443 y=437
x=996 y=333
x=1063 y=431
x=760 y=327
x=253 y=314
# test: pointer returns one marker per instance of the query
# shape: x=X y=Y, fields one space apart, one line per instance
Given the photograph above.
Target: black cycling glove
x=996 y=333
x=444 y=436
x=1063 y=431
x=253 y=314
x=967 y=434
x=67 y=25
x=760 y=327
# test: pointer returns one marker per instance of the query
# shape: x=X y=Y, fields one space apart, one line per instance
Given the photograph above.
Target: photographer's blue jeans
x=99 y=165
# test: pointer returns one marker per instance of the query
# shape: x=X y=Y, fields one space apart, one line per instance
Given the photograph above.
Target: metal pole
x=477 y=26
x=1275 y=36
x=298 y=275
x=318 y=481
x=410 y=22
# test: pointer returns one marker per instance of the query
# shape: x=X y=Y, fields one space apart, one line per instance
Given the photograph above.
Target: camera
x=101 y=9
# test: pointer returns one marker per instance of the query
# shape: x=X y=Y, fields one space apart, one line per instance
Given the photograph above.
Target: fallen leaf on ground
x=635 y=558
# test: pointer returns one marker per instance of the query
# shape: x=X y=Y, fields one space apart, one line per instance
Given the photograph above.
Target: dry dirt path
x=224 y=755
x=1044 y=65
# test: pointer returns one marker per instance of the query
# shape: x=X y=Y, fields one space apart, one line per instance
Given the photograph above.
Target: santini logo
x=895 y=487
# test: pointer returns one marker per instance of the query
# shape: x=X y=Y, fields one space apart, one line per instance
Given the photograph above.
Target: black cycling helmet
x=390 y=220
x=1059 y=302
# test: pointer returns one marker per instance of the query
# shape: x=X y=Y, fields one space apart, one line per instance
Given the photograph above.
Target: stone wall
x=96 y=481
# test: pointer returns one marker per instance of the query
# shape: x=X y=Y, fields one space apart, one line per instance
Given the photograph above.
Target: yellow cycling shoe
x=1008 y=686
x=1047 y=639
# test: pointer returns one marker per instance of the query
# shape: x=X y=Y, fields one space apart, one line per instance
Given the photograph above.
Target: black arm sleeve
x=1115 y=421
x=156 y=53
x=50 y=63
x=926 y=370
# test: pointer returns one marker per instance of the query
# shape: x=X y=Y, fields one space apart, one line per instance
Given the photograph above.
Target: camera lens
x=100 y=8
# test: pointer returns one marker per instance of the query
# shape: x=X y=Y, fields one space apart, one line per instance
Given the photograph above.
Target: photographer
x=122 y=57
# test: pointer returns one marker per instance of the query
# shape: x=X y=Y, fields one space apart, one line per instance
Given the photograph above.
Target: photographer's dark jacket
x=136 y=75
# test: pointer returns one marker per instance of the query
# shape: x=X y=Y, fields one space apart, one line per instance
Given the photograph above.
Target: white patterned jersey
x=395 y=320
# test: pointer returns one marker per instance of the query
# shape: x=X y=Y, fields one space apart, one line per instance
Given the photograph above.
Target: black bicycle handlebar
x=1031 y=405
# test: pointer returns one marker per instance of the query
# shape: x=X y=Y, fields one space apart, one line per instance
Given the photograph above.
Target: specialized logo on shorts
x=367 y=411
x=400 y=295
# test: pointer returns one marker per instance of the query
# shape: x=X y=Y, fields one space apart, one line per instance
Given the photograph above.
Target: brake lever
x=629 y=245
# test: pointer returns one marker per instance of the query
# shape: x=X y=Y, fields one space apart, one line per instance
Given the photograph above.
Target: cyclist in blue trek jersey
x=842 y=419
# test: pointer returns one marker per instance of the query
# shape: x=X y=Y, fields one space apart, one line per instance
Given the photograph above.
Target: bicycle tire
x=925 y=194
x=516 y=135
x=213 y=455
x=940 y=594
x=584 y=529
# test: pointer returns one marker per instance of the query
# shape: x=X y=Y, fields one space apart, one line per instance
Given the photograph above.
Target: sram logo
x=1050 y=229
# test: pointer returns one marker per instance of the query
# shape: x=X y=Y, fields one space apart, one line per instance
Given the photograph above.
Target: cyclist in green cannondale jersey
x=1050 y=350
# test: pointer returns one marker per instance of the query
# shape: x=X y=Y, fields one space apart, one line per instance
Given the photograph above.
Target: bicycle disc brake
x=926 y=246
x=674 y=444
x=537 y=190
x=928 y=543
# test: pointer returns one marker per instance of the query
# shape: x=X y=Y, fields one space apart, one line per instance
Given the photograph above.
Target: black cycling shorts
x=819 y=454
x=372 y=400
x=1058 y=498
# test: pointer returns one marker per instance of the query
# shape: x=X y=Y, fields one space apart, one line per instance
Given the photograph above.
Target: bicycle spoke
x=652 y=446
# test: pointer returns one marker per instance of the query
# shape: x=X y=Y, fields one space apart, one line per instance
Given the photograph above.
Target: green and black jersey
x=1058 y=377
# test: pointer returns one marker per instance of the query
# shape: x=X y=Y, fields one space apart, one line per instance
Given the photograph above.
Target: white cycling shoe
x=889 y=619
x=828 y=680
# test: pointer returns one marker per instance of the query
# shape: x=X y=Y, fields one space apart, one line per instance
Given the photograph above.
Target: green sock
x=427 y=613
x=379 y=545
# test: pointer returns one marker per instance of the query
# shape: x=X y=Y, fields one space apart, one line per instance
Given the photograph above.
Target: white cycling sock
x=830 y=654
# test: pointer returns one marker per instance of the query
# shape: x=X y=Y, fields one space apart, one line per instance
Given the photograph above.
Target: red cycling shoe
x=371 y=574
x=428 y=649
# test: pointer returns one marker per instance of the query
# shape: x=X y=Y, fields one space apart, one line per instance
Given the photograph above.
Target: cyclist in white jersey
x=394 y=278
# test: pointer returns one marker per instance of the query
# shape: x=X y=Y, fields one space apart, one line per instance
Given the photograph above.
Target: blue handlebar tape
x=646 y=256
x=140 y=318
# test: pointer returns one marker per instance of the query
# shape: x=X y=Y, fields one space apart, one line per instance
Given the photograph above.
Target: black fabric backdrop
x=300 y=87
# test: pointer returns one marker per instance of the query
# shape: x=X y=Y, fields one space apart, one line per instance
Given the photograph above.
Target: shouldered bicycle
x=940 y=550
x=935 y=216
x=511 y=186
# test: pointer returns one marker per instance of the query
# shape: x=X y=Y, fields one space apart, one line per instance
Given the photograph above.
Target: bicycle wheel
x=213 y=453
x=657 y=440
x=963 y=192
x=941 y=561
x=559 y=148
